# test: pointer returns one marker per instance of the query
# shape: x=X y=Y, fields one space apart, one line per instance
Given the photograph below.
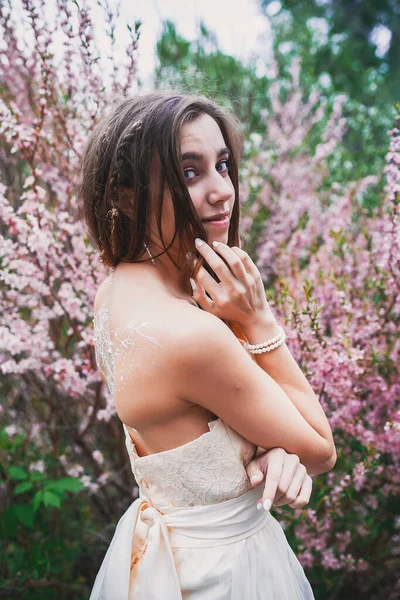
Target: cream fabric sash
x=167 y=528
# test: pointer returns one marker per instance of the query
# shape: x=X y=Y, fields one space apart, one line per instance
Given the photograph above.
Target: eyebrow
x=196 y=156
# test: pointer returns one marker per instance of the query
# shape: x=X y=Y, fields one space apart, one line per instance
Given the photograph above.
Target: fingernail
x=198 y=242
x=267 y=504
x=259 y=506
x=215 y=244
x=253 y=478
x=193 y=283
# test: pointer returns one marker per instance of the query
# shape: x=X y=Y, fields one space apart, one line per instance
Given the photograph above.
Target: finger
x=234 y=262
x=246 y=260
x=290 y=466
x=294 y=488
x=250 y=267
x=305 y=494
x=254 y=472
x=207 y=282
x=272 y=478
x=200 y=296
x=216 y=263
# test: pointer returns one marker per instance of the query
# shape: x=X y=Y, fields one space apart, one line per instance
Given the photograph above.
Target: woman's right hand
x=240 y=295
x=286 y=479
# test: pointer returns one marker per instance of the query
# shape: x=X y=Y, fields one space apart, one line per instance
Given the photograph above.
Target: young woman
x=160 y=192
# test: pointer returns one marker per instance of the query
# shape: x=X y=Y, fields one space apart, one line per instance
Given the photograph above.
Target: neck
x=166 y=271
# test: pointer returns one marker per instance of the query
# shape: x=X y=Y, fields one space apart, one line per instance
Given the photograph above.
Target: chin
x=218 y=237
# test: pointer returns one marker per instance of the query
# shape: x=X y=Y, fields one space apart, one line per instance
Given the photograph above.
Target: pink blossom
x=37 y=466
x=98 y=456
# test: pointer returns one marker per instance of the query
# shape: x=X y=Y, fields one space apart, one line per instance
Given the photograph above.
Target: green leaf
x=51 y=499
x=25 y=486
x=37 y=500
x=17 y=473
x=66 y=484
x=25 y=514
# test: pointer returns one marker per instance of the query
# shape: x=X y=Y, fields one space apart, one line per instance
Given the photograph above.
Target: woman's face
x=205 y=160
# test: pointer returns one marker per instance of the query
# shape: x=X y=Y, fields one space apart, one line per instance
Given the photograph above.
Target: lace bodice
x=207 y=470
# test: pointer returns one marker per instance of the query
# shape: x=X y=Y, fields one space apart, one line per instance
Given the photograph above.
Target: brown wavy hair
x=134 y=144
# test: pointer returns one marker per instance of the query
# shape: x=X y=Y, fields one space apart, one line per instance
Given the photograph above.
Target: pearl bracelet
x=267 y=346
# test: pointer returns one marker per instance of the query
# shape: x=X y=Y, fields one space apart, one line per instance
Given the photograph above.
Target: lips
x=218 y=223
x=217 y=217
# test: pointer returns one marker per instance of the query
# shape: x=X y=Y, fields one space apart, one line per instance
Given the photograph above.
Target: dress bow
x=149 y=515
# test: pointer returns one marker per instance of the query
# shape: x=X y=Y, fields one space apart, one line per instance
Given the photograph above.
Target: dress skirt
x=223 y=551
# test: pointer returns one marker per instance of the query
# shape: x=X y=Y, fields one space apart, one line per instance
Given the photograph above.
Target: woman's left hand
x=286 y=479
x=240 y=295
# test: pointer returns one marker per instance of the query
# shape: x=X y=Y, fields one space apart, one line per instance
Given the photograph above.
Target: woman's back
x=140 y=321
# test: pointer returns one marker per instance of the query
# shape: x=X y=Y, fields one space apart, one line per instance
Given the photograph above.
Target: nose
x=220 y=188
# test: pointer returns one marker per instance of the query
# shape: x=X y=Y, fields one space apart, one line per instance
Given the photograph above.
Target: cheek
x=197 y=199
x=229 y=181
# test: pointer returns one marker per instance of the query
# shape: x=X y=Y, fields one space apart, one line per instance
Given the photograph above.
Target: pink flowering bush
x=331 y=269
x=332 y=272
x=57 y=433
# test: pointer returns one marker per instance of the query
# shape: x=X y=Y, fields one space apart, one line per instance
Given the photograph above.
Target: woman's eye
x=224 y=165
x=189 y=174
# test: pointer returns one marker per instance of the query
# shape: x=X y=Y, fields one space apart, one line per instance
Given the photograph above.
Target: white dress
x=194 y=533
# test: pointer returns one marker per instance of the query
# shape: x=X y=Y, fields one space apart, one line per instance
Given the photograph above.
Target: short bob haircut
x=132 y=153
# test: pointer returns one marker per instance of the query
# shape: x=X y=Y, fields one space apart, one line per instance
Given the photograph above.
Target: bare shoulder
x=201 y=333
x=183 y=326
x=101 y=293
x=212 y=362
x=191 y=334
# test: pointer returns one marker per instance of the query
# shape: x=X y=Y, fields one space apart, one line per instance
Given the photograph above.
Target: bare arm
x=283 y=368
x=217 y=373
